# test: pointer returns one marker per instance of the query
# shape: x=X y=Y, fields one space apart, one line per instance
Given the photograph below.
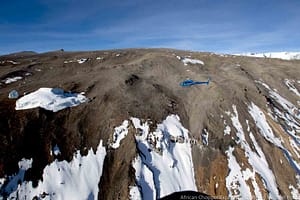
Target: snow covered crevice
x=235 y=181
x=77 y=179
x=266 y=131
x=285 y=113
x=289 y=107
x=261 y=122
x=291 y=86
x=285 y=104
x=164 y=163
x=53 y=99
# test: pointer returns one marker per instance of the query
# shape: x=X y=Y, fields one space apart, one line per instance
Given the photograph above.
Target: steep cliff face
x=139 y=134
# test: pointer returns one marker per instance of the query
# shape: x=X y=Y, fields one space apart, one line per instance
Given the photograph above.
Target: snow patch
x=53 y=99
x=186 y=61
x=68 y=61
x=294 y=192
x=227 y=130
x=11 y=80
x=9 y=61
x=235 y=182
x=13 y=62
x=134 y=193
x=263 y=84
x=14 y=180
x=77 y=179
x=25 y=164
x=82 y=60
x=291 y=87
x=216 y=185
x=119 y=134
x=248 y=174
x=56 y=150
x=228 y=113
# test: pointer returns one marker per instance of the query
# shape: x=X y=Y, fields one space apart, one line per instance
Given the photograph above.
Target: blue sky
x=228 y=26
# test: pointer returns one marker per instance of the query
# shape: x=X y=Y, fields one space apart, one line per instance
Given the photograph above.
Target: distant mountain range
x=280 y=55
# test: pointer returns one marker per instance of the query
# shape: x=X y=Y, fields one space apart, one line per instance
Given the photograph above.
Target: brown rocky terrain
x=144 y=83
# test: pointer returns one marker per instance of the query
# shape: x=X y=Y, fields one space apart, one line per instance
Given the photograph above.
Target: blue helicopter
x=190 y=82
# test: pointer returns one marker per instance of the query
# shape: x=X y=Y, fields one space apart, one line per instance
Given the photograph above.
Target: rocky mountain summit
x=119 y=125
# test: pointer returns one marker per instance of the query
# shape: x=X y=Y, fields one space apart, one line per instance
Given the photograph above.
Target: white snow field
x=163 y=166
x=53 y=99
x=236 y=179
x=280 y=55
x=61 y=180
